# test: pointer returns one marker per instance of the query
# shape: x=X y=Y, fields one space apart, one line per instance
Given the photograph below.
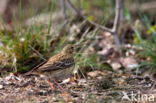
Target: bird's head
x=68 y=49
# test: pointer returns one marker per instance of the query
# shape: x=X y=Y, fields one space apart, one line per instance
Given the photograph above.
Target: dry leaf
x=65 y=81
x=115 y=65
x=96 y=73
x=119 y=81
x=129 y=62
x=1 y=86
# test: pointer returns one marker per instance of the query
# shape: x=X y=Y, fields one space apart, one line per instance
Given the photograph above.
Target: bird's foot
x=51 y=85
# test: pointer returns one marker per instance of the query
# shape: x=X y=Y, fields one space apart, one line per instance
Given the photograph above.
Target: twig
x=113 y=31
x=41 y=56
x=116 y=23
x=36 y=67
x=83 y=17
x=117 y=15
x=78 y=12
x=103 y=28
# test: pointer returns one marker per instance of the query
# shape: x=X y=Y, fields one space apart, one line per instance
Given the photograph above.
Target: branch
x=74 y=8
x=84 y=18
x=113 y=30
x=103 y=28
x=117 y=15
x=116 y=22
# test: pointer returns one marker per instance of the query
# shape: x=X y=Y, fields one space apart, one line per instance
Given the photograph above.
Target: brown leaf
x=129 y=62
x=96 y=73
x=1 y=86
x=115 y=65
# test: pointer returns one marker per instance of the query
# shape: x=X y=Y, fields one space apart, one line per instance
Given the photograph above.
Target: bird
x=58 y=66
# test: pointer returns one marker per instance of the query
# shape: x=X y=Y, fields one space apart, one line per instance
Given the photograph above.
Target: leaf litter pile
x=97 y=87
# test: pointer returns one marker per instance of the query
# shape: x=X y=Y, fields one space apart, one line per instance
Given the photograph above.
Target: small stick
x=113 y=30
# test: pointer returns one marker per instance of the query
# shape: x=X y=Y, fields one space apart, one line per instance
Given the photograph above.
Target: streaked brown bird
x=58 y=66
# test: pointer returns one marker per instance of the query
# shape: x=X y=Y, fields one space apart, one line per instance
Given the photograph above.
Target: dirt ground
x=95 y=87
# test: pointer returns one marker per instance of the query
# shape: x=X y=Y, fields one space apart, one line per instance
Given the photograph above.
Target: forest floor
x=96 y=87
x=122 y=84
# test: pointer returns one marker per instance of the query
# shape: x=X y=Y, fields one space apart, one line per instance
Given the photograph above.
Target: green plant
x=149 y=49
x=23 y=46
x=149 y=52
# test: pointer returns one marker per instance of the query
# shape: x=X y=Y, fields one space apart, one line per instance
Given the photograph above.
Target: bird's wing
x=62 y=64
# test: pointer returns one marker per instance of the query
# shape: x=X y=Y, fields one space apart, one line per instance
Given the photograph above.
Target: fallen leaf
x=129 y=62
x=96 y=73
x=1 y=86
x=119 y=81
x=115 y=65
x=65 y=81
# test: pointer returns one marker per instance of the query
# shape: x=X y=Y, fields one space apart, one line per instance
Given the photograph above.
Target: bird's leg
x=59 y=85
x=51 y=84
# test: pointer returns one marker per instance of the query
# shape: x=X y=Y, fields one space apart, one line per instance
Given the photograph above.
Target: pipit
x=58 y=66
